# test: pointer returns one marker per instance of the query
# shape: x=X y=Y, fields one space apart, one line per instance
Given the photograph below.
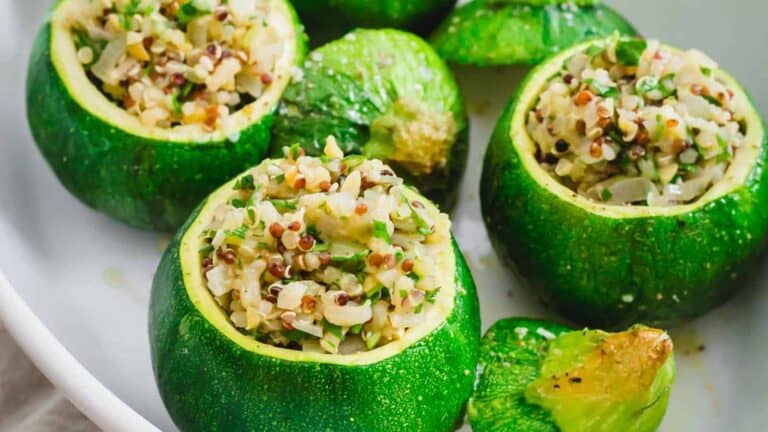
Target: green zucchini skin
x=351 y=82
x=328 y=20
x=675 y=268
x=498 y=402
x=144 y=182
x=209 y=383
x=514 y=32
x=514 y=354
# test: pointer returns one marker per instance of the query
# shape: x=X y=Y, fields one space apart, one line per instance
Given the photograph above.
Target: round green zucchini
x=328 y=20
x=149 y=177
x=540 y=376
x=213 y=378
x=384 y=94
x=610 y=266
x=522 y=32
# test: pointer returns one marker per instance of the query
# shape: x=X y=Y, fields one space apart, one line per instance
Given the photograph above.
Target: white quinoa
x=324 y=254
x=176 y=62
x=631 y=122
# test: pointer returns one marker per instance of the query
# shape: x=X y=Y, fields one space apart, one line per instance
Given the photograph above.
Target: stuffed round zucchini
x=522 y=32
x=328 y=20
x=387 y=95
x=626 y=182
x=142 y=107
x=314 y=294
x=539 y=376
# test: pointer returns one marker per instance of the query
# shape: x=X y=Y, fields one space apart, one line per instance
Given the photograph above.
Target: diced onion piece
x=107 y=62
x=347 y=315
x=290 y=296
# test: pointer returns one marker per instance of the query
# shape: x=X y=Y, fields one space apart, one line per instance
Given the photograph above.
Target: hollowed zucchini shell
x=611 y=266
x=522 y=32
x=213 y=378
x=374 y=86
x=328 y=20
x=147 y=177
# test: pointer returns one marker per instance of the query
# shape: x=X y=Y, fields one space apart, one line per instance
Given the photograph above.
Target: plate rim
x=62 y=369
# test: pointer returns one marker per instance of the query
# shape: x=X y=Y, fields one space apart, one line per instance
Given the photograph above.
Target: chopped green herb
x=601 y=89
x=251 y=214
x=237 y=203
x=725 y=153
x=628 y=52
x=295 y=151
x=191 y=10
x=418 y=308
x=245 y=183
x=356 y=329
x=706 y=71
x=320 y=247
x=647 y=84
x=186 y=89
x=422 y=227
x=606 y=194
x=431 y=296
x=691 y=168
x=594 y=51
x=667 y=85
x=175 y=101
x=237 y=232
x=713 y=100
x=371 y=338
x=280 y=178
x=375 y=295
x=351 y=263
x=127 y=14
x=333 y=329
x=399 y=255
x=205 y=250
x=380 y=231
x=283 y=205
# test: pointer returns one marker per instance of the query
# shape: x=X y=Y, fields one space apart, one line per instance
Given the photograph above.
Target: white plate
x=87 y=278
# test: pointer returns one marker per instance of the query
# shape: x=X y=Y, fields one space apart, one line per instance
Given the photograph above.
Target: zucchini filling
x=176 y=62
x=632 y=122
x=327 y=254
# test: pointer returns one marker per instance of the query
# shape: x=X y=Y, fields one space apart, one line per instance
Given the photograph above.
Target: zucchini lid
x=537 y=375
x=63 y=55
x=385 y=94
x=522 y=32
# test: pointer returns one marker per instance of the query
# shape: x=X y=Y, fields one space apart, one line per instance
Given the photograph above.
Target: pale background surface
x=88 y=277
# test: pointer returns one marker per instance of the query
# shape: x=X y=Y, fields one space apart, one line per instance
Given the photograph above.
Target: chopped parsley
x=628 y=52
x=594 y=51
x=238 y=232
x=283 y=205
x=606 y=194
x=725 y=154
x=601 y=89
x=245 y=183
x=380 y=231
